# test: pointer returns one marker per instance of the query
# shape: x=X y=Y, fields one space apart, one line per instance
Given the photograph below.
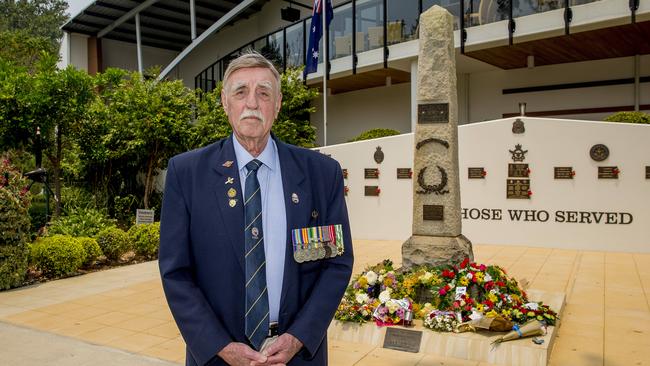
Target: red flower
x=482 y=267
x=456 y=304
x=468 y=307
x=442 y=292
x=464 y=263
x=489 y=285
x=500 y=283
x=488 y=303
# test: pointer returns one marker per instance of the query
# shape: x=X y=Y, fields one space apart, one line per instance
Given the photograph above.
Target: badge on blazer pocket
x=317 y=242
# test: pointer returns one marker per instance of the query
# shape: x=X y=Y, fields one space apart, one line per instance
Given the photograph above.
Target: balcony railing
x=374 y=28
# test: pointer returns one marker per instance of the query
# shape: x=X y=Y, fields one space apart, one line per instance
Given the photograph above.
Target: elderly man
x=255 y=245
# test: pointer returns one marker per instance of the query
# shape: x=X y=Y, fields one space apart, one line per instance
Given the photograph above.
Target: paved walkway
x=606 y=319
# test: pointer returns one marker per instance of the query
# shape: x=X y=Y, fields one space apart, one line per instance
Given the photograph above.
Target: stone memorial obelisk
x=437 y=237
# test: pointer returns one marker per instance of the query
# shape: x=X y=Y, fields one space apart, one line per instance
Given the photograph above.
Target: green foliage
x=14 y=226
x=629 y=117
x=145 y=239
x=20 y=48
x=80 y=222
x=135 y=123
x=114 y=243
x=124 y=209
x=58 y=255
x=292 y=125
x=375 y=133
x=36 y=19
x=92 y=249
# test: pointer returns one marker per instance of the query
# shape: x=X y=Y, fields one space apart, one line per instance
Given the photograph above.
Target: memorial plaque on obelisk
x=437 y=237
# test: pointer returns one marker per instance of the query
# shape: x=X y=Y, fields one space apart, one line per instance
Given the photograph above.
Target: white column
x=138 y=41
x=193 y=19
x=414 y=94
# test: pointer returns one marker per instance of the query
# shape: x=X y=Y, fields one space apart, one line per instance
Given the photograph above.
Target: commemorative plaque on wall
x=647 y=172
x=433 y=113
x=476 y=173
x=433 y=212
x=563 y=172
x=518 y=170
x=371 y=173
x=404 y=173
x=405 y=340
x=518 y=188
x=371 y=191
x=345 y=173
x=608 y=172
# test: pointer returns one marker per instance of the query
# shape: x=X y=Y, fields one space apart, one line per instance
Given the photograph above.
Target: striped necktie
x=257 y=300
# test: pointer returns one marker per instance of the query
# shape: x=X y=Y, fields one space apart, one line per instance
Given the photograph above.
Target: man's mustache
x=252 y=113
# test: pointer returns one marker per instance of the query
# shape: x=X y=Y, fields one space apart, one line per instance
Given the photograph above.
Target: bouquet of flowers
x=441 y=321
x=392 y=312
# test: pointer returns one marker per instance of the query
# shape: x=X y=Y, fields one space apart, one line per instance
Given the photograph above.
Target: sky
x=75 y=6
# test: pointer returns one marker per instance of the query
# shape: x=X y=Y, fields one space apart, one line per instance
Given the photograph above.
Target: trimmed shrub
x=92 y=249
x=57 y=255
x=14 y=226
x=80 y=222
x=145 y=239
x=629 y=117
x=375 y=133
x=114 y=242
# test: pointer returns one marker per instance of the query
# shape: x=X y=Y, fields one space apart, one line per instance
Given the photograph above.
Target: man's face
x=252 y=102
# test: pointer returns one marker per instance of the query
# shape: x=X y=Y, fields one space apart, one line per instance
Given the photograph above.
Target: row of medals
x=313 y=252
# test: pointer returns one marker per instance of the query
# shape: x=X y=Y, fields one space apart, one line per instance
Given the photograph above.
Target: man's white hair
x=247 y=60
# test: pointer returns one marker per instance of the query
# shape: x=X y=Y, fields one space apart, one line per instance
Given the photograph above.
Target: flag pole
x=325 y=63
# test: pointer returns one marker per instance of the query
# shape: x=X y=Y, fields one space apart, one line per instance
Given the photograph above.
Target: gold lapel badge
x=294 y=198
x=232 y=193
x=228 y=163
x=232 y=202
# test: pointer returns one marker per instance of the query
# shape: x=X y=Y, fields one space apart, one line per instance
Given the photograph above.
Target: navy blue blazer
x=201 y=255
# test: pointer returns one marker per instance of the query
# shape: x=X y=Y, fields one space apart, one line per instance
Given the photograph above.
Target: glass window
x=260 y=44
x=341 y=32
x=295 y=45
x=402 y=20
x=453 y=6
x=370 y=22
x=274 y=50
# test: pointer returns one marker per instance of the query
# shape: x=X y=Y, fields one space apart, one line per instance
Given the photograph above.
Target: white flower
x=392 y=306
x=469 y=276
x=487 y=277
x=385 y=295
x=380 y=278
x=361 y=298
x=426 y=277
x=371 y=277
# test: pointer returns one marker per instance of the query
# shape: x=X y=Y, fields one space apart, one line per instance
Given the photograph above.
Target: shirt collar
x=267 y=157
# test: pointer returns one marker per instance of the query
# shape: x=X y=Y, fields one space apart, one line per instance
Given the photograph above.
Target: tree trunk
x=57 y=172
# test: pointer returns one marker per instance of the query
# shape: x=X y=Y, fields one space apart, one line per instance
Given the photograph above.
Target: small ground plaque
x=518 y=188
x=403 y=339
x=433 y=113
x=144 y=216
x=433 y=212
x=563 y=172
x=345 y=174
x=518 y=170
x=404 y=173
x=371 y=190
x=608 y=172
x=647 y=172
x=476 y=173
x=371 y=173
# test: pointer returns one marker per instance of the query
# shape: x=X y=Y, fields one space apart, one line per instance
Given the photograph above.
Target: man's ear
x=224 y=101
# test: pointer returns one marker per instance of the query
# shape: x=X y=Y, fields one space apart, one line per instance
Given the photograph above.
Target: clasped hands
x=277 y=354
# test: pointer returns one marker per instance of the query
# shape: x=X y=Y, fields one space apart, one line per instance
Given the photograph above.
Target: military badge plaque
x=647 y=172
x=371 y=173
x=345 y=173
x=518 y=170
x=476 y=173
x=433 y=212
x=404 y=173
x=318 y=242
x=371 y=191
x=563 y=172
x=608 y=172
x=518 y=189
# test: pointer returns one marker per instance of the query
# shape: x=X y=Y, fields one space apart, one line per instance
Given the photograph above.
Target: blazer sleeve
x=203 y=333
x=311 y=323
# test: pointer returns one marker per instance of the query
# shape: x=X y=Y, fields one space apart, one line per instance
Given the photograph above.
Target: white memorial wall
x=584 y=212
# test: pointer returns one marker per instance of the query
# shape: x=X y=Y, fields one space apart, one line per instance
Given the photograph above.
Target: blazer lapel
x=293 y=181
x=225 y=165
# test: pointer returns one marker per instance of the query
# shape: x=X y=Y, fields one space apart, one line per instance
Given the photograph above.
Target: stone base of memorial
x=472 y=346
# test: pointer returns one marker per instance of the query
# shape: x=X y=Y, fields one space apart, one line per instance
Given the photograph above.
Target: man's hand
x=281 y=351
x=240 y=354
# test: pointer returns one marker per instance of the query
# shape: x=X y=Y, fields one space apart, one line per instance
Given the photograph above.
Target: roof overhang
x=163 y=23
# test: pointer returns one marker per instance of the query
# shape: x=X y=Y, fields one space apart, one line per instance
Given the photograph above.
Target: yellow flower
x=464 y=281
x=388 y=281
x=491 y=314
x=492 y=297
x=479 y=307
x=363 y=282
x=531 y=314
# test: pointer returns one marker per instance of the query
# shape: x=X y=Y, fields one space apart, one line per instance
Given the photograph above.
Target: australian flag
x=316 y=32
